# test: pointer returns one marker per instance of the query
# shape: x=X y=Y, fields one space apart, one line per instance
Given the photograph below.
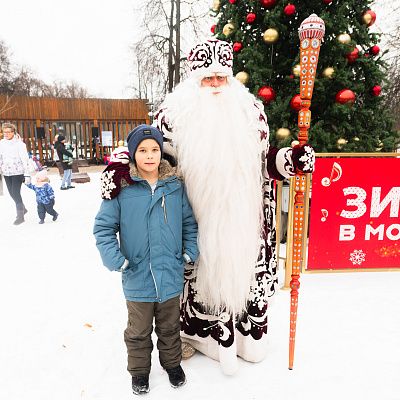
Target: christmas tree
x=347 y=113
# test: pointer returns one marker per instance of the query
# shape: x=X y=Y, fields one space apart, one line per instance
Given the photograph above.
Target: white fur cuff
x=284 y=163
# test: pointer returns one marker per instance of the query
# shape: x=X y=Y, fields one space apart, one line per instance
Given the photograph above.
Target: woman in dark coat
x=61 y=150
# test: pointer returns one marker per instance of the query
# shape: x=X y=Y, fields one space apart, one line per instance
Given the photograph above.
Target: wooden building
x=85 y=123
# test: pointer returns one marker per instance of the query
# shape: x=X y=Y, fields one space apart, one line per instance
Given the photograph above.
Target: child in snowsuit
x=157 y=236
x=44 y=196
x=66 y=158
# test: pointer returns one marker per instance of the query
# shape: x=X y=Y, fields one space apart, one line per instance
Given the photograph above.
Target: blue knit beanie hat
x=140 y=133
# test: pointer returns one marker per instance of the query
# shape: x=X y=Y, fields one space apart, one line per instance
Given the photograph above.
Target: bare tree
x=150 y=74
x=7 y=105
x=389 y=28
x=169 y=29
x=22 y=81
x=6 y=75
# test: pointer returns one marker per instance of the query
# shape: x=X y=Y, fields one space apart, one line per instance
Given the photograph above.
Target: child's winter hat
x=143 y=132
x=61 y=138
x=42 y=175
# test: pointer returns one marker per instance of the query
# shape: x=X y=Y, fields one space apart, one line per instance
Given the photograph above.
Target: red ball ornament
x=296 y=103
x=352 y=56
x=233 y=1
x=251 y=17
x=213 y=29
x=344 y=96
x=268 y=4
x=376 y=91
x=237 y=46
x=374 y=50
x=267 y=93
x=327 y=1
x=373 y=16
x=289 y=10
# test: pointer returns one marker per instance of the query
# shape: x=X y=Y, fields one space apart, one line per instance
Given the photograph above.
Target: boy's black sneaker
x=63 y=188
x=140 y=384
x=176 y=376
x=70 y=187
x=41 y=221
x=55 y=217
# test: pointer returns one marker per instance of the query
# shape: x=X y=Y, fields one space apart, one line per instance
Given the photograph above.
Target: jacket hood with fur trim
x=118 y=175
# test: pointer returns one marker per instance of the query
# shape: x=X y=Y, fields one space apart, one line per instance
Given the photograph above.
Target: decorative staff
x=311 y=31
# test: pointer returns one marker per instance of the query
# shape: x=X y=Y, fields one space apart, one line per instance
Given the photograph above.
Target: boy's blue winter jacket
x=153 y=234
x=44 y=194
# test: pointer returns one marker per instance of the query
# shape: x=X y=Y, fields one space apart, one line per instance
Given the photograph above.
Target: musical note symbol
x=335 y=169
x=324 y=214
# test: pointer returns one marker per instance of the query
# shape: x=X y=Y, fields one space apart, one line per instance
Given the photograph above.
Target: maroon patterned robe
x=243 y=336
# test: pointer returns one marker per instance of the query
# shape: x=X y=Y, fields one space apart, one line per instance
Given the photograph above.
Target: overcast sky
x=86 y=41
x=83 y=40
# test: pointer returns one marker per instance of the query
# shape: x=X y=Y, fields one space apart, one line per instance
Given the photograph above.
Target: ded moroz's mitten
x=117 y=169
x=303 y=158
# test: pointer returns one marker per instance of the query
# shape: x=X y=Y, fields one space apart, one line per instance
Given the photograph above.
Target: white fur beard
x=219 y=155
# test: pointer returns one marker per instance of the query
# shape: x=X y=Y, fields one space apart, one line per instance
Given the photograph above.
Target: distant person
x=95 y=142
x=157 y=234
x=14 y=163
x=67 y=168
x=45 y=198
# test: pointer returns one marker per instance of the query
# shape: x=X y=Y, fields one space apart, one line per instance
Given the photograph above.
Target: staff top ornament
x=311 y=31
x=312 y=27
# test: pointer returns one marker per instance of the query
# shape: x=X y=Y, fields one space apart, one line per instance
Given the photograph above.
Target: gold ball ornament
x=282 y=134
x=271 y=36
x=356 y=139
x=328 y=72
x=228 y=29
x=296 y=70
x=295 y=143
x=242 y=77
x=366 y=18
x=341 y=142
x=344 y=38
x=380 y=145
x=216 y=4
x=121 y=143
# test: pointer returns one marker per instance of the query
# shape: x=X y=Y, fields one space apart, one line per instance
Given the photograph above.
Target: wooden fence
x=79 y=120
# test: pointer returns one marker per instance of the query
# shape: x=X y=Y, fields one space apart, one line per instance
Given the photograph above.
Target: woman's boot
x=20 y=214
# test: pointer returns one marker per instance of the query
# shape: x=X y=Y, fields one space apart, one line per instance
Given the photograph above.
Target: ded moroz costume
x=219 y=139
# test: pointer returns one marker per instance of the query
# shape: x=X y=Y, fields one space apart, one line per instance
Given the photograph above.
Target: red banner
x=354 y=220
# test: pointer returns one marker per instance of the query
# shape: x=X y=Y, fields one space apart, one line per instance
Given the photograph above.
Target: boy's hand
x=53 y=202
x=187 y=259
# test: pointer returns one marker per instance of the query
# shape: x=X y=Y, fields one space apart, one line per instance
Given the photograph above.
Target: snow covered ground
x=63 y=315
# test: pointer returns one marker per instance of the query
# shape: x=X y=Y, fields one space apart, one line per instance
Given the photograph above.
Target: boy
x=44 y=196
x=157 y=235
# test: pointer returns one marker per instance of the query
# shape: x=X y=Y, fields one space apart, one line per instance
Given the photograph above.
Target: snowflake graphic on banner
x=357 y=257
